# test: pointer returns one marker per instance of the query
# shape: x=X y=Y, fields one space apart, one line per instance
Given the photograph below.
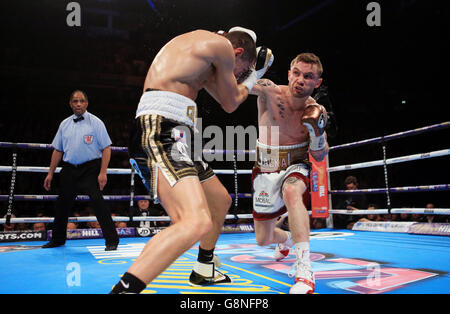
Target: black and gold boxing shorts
x=165 y=144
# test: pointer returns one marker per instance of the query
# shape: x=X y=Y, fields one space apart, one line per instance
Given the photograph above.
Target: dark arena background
x=379 y=79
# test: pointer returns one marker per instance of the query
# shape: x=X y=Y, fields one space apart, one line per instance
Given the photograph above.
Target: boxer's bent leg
x=267 y=233
x=293 y=190
x=219 y=202
x=205 y=270
x=187 y=207
x=265 y=214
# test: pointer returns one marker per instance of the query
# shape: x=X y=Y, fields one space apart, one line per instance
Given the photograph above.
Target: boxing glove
x=315 y=119
x=264 y=59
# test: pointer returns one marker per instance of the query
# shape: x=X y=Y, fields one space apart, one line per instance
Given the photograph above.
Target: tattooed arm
x=261 y=86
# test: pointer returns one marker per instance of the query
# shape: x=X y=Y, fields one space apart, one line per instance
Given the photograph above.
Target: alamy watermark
x=374 y=17
x=373 y=279
x=215 y=143
x=73 y=275
x=74 y=16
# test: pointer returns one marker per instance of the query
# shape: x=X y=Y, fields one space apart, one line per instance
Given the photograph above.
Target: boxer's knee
x=226 y=201
x=293 y=189
x=264 y=240
x=198 y=224
x=199 y=228
x=264 y=233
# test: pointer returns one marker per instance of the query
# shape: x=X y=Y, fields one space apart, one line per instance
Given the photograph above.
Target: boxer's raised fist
x=315 y=119
x=264 y=59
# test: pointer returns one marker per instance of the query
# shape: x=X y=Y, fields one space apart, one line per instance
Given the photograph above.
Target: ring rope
x=425 y=129
x=434 y=127
x=110 y=170
x=114 y=218
x=439 y=153
x=383 y=162
x=419 y=188
x=120 y=149
x=30 y=197
x=421 y=211
x=426 y=211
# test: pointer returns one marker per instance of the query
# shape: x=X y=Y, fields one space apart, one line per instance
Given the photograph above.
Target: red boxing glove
x=315 y=120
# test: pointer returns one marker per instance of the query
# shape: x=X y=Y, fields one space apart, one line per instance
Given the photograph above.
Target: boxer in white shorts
x=192 y=196
x=290 y=123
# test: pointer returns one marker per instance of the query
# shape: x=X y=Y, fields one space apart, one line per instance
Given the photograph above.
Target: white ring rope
x=114 y=218
x=110 y=170
x=439 y=153
x=421 y=211
x=390 y=161
x=384 y=162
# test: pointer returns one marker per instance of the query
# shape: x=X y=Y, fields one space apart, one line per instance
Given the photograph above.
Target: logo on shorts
x=88 y=139
x=180 y=137
x=263 y=198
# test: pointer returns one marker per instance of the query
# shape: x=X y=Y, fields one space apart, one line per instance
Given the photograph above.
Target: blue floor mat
x=343 y=262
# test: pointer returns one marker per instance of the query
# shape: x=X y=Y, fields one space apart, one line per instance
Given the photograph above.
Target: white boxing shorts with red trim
x=267 y=188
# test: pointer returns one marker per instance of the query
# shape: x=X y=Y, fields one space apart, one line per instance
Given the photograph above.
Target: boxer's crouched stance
x=164 y=143
x=280 y=179
x=192 y=196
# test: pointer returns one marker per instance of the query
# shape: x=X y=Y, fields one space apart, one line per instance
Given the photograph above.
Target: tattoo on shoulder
x=264 y=82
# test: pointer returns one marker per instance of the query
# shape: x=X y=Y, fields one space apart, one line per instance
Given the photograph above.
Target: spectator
x=93 y=224
x=404 y=217
x=144 y=209
x=433 y=218
x=72 y=225
x=318 y=223
x=11 y=226
x=371 y=217
x=39 y=226
x=417 y=217
x=351 y=202
x=390 y=217
x=119 y=224
x=22 y=226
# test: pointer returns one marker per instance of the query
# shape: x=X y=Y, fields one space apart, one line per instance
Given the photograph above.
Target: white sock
x=288 y=241
x=302 y=250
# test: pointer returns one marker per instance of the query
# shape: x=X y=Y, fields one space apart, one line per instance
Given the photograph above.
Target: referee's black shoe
x=111 y=247
x=52 y=244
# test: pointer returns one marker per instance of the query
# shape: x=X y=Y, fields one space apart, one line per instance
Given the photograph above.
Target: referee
x=83 y=144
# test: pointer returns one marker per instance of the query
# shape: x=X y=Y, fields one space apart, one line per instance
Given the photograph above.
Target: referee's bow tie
x=78 y=119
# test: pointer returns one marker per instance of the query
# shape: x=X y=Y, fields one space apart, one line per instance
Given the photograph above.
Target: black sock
x=205 y=255
x=128 y=284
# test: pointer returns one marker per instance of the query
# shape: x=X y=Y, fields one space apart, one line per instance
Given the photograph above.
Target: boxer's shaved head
x=243 y=40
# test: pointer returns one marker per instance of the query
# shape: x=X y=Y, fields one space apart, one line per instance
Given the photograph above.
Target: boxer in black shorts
x=192 y=196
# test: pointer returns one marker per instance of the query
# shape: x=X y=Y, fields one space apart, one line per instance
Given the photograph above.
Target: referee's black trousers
x=82 y=179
